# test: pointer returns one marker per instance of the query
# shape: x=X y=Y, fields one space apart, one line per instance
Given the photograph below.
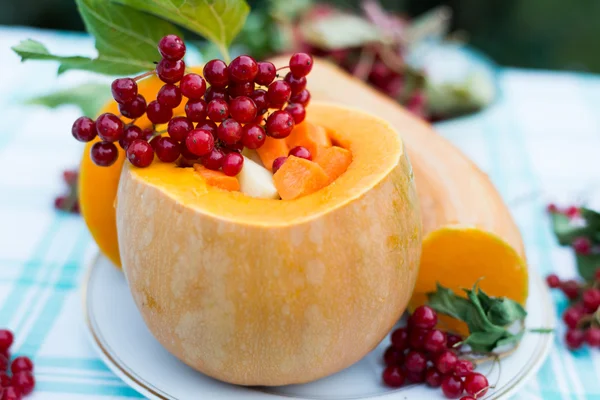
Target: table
x=539 y=142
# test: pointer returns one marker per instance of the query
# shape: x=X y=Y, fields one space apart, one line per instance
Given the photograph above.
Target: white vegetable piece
x=257 y=181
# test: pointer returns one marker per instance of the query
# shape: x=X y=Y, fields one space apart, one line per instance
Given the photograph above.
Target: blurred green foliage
x=553 y=34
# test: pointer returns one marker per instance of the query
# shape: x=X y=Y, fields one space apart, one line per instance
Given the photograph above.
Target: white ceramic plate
x=122 y=340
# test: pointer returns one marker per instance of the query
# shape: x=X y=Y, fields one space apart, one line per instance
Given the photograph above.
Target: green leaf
x=90 y=97
x=511 y=339
x=126 y=40
x=565 y=230
x=505 y=312
x=444 y=300
x=217 y=20
x=485 y=341
x=478 y=321
x=587 y=265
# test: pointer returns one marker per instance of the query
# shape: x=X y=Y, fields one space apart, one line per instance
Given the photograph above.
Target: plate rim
x=147 y=389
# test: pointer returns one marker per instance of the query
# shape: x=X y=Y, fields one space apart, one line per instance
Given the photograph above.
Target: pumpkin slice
x=298 y=177
x=259 y=291
x=272 y=149
x=308 y=135
x=334 y=161
x=218 y=178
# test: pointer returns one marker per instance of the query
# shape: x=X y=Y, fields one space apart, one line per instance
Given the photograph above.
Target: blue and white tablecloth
x=539 y=142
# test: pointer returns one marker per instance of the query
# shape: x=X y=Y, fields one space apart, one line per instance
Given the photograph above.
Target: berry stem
x=280 y=68
x=144 y=75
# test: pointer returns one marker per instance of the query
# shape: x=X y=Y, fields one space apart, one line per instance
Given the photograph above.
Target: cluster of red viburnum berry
x=420 y=353
x=220 y=120
x=20 y=382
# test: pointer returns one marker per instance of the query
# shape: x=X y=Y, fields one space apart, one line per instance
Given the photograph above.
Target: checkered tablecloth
x=539 y=142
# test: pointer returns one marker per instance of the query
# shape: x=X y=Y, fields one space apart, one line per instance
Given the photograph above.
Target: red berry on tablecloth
x=476 y=384
x=574 y=338
x=399 y=338
x=416 y=338
x=572 y=212
x=433 y=377
x=445 y=362
x=393 y=356
x=553 y=281
x=591 y=299
x=572 y=316
x=415 y=361
x=571 y=289
x=452 y=386
x=592 y=336
x=423 y=317
x=6 y=340
x=393 y=376
x=24 y=382
x=463 y=368
x=582 y=245
x=21 y=363
x=434 y=341
x=11 y=393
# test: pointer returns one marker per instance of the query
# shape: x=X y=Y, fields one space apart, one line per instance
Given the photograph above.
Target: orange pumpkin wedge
x=298 y=177
x=270 y=150
x=218 y=178
x=308 y=135
x=258 y=291
x=334 y=161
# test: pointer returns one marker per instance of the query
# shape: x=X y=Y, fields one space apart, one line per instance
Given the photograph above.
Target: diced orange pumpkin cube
x=218 y=178
x=272 y=149
x=299 y=177
x=334 y=161
x=309 y=135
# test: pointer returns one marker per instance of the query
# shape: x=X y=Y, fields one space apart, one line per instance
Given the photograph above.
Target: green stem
x=225 y=53
x=541 y=330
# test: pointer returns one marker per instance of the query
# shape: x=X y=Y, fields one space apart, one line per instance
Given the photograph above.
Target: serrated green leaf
x=444 y=300
x=478 y=321
x=126 y=40
x=505 y=312
x=587 y=265
x=217 y=20
x=485 y=300
x=89 y=97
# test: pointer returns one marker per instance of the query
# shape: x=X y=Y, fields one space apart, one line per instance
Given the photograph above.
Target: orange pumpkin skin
x=270 y=292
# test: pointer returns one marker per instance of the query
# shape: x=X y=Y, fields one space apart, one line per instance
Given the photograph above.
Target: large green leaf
x=217 y=20
x=126 y=40
x=90 y=97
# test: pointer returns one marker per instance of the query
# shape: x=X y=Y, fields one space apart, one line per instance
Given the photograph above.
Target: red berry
x=266 y=73
x=415 y=361
x=476 y=384
x=297 y=111
x=130 y=133
x=553 y=281
x=452 y=386
x=196 y=110
x=582 y=245
x=572 y=316
x=230 y=131
x=232 y=164
x=104 y=154
x=11 y=393
x=179 y=127
x=468 y=398
x=169 y=96
x=452 y=340
x=253 y=136
x=242 y=109
x=186 y=154
x=445 y=362
x=572 y=212
x=216 y=73
x=592 y=336
x=259 y=119
x=393 y=376
x=159 y=114
x=416 y=338
x=134 y=109
x=433 y=378
x=240 y=89
x=5 y=380
x=463 y=368
x=124 y=90
x=109 y=127
x=280 y=124
x=70 y=178
x=301 y=64
x=297 y=84
x=393 y=356
x=423 y=317
x=301 y=152
x=214 y=160
x=200 y=142
x=574 y=339
x=193 y=86
x=21 y=363
x=415 y=377
x=170 y=71
x=434 y=341
x=24 y=382
x=279 y=92
x=217 y=110
x=4 y=362
x=213 y=93
x=209 y=126
x=259 y=97
x=171 y=47
x=140 y=153
x=301 y=98
x=591 y=299
x=167 y=149
x=84 y=129
x=571 y=289
x=243 y=69
x=552 y=208
x=277 y=163
x=400 y=339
